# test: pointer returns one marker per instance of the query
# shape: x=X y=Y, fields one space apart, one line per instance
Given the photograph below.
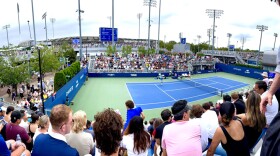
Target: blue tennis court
x=155 y=95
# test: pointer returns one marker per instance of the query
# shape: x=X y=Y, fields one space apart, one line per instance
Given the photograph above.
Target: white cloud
x=187 y=16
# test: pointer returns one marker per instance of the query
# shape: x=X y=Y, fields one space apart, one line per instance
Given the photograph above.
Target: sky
x=189 y=17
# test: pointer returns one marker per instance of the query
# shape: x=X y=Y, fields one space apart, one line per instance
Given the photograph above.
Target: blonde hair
x=80 y=121
x=43 y=121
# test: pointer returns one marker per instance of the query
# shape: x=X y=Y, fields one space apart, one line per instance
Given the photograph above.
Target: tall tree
x=49 y=61
x=13 y=71
x=65 y=50
x=169 y=45
x=111 y=50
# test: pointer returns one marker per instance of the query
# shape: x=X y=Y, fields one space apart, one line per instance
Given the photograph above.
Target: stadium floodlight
x=45 y=18
x=275 y=35
x=6 y=27
x=209 y=36
x=213 y=13
x=229 y=36
x=150 y=3
x=261 y=28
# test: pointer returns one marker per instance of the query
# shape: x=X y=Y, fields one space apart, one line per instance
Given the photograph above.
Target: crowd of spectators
x=231 y=127
x=179 y=62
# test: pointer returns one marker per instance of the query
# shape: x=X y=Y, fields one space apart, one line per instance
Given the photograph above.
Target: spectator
x=24 y=123
x=77 y=138
x=11 y=148
x=166 y=117
x=157 y=122
x=146 y=125
x=238 y=103
x=265 y=77
x=226 y=98
x=33 y=124
x=271 y=110
x=7 y=117
x=89 y=129
x=182 y=137
x=231 y=135
x=136 y=140
x=107 y=131
x=131 y=112
x=197 y=111
x=61 y=123
x=253 y=120
x=9 y=91
x=212 y=120
x=43 y=126
x=213 y=108
x=13 y=128
x=2 y=112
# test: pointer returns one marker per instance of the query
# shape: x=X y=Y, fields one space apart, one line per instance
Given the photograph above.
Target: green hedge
x=249 y=66
x=59 y=80
x=65 y=75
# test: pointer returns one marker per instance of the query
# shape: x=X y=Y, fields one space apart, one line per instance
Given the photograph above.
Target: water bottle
x=18 y=140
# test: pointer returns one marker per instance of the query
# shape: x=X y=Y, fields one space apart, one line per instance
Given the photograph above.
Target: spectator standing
x=182 y=137
x=61 y=123
x=13 y=128
x=136 y=140
x=24 y=123
x=265 y=77
x=271 y=110
x=43 y=126
x=107 y=131
x=9 y=91
x=131 y=112
x=77 y=138
x=166 y=116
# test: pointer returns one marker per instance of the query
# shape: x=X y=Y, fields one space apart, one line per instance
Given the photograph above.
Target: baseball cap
x=15 y=116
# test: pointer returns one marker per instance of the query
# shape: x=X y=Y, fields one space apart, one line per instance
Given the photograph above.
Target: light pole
x=29 y=30
x=6 y=27
x=45 y=18
x=158 y=25
x=229 y=36
x=150 y=3
x=261 y=28
x=110 y=18
x=213 y=13
x=113 y=16
x=209 y=37
x=52 y=21
x=139 y=16
x=198 y=40
x=80 y=29
x=275 y=35
x=34 y=31
x=41 y=80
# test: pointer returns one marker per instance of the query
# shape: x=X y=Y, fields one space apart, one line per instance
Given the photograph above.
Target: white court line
x=170 y=90
x=180 y=99
x=165 y=93
x=219 y=82
x=129 y=93
x=153 y=83
x=155 y=103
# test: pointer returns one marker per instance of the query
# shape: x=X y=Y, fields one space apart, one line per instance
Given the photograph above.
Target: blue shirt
x=4 y=151
x=130 y=113
x=45 y=145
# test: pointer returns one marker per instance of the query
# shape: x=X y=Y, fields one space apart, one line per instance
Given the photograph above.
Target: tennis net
x=204 y=87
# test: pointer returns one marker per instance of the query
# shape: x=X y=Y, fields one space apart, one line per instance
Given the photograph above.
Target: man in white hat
x=265 y=77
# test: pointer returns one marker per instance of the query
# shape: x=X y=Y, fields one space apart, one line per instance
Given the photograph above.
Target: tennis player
x=160 y=77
